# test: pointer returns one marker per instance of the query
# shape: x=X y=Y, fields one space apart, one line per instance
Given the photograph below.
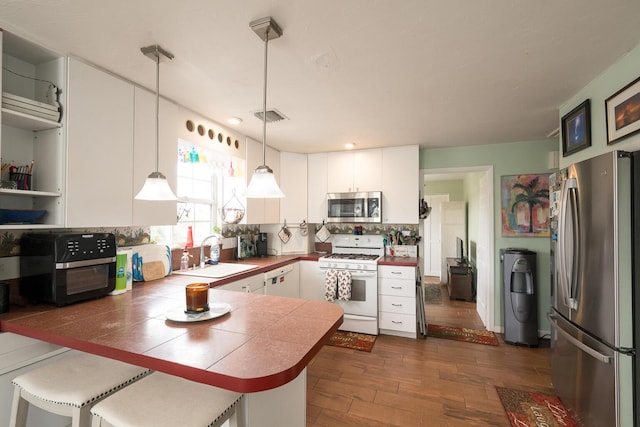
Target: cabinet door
x=367 y=167
x=317 y=188
x=400 y=184
x=293 y=182
x=340 y=172
x=144 y=152
x=100 y=148
x=311 y=281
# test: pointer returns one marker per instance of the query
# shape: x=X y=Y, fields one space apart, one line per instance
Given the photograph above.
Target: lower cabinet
x=311 y=281
x=397 y=300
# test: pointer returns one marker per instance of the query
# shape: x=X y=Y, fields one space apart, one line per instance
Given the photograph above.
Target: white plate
x=216 y=309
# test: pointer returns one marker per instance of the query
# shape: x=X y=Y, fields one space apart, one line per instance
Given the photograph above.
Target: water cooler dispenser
x=520 y=306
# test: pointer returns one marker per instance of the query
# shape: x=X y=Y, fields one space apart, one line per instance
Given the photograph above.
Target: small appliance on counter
x=261 y=245
x=246 y=246
x=63 y=268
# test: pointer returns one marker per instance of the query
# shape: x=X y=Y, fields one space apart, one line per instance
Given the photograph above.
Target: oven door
x=364 y=294
x=82 y=280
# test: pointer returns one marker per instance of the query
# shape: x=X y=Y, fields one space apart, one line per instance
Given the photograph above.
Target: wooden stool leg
x=19 y=409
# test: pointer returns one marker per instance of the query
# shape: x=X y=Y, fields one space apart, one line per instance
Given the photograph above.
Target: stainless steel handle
x=567 y=276
x=396 y=322
x=396 y=287
x=84 y=263
x=580 y=345
x=396 y=305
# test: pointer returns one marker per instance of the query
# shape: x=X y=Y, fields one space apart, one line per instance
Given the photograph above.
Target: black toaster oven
x=63 y=268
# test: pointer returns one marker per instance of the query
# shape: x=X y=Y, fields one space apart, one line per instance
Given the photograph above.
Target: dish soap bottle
x=184 y=260
x=215 y=251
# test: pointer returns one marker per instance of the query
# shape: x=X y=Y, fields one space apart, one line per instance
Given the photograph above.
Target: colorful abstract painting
x=525 y=205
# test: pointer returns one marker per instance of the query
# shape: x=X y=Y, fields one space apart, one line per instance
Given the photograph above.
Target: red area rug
x=462 y=334
x=362 y=342
x=529 y=409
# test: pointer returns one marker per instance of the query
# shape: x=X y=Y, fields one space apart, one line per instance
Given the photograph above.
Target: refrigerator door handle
x=569 y=211
x=580 y=345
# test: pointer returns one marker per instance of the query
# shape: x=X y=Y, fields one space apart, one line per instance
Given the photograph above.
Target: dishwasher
x=18 y=355
x=283 y=281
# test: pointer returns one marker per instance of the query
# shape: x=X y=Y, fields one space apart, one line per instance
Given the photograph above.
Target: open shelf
x=29 y=193
x=26 y=121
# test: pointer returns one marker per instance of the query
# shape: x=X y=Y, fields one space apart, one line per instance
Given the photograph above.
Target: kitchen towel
x=330 y=284
x=344 y=285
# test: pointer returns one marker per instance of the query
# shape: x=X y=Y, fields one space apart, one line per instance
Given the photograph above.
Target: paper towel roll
x=121 y=274
x=129 y=269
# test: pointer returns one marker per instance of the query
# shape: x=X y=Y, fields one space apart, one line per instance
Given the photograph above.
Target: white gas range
x=359 y=255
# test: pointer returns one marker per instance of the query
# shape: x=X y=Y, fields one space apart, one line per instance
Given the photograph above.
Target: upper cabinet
x=353 y=171
x=31 y=136
x=293 y=183
x=262 y=211
x=400 y=184
x=317 y=172
x=100 y=117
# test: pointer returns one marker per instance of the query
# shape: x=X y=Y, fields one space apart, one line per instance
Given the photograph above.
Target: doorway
x=480 y=240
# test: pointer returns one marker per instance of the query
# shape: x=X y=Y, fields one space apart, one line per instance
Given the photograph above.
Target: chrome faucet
x=203 y=259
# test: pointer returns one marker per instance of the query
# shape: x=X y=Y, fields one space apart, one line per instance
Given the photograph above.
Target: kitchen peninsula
x=260 y=348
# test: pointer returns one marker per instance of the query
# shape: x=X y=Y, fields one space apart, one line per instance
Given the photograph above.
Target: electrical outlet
x=9 y=268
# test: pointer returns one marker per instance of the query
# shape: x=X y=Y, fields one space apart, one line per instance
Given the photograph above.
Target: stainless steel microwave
x=354 y=207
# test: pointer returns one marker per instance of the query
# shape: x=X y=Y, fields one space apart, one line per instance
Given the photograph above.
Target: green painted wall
x=454 y=188
x=506 y=159
x=619 y=75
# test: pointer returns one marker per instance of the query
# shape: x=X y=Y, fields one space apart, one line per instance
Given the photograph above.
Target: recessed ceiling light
x=234 y=120
x=349 y=145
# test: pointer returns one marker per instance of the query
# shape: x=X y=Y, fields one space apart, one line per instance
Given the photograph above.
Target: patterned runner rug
x=529 y=409
x=356 y=341
x=462 y=334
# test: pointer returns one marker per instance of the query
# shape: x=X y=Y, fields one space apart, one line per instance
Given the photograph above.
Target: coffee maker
x=261 y=245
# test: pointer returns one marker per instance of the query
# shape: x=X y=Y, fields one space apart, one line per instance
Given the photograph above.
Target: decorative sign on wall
x=525 y=205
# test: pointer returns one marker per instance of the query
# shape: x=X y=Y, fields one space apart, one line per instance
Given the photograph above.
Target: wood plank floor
x=425 y=382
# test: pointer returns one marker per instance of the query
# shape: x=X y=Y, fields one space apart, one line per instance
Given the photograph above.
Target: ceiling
x=371 y=72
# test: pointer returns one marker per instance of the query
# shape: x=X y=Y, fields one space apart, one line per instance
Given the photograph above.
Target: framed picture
x=576 y=129
x=525 y=205
x=623 y=112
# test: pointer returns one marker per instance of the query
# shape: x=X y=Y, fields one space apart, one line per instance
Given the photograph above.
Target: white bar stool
x=70 y=387
x=161 y=400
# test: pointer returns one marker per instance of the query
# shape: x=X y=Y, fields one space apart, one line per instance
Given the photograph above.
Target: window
x=204 y=179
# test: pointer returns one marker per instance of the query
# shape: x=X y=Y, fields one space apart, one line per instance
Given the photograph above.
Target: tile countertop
x=263 y=343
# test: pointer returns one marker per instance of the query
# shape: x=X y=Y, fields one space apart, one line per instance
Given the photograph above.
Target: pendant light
x=263 y=183
x=156 y=186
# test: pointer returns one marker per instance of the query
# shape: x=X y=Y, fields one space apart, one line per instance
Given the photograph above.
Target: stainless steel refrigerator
x=594 y=223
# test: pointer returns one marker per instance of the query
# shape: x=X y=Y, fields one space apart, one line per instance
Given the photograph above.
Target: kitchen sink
x=217 y=271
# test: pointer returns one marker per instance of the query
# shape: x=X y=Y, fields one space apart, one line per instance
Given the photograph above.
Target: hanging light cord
x=29 y=77
x=157 y=105
x=264 y=102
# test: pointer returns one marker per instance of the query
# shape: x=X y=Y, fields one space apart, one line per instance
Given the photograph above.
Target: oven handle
x=355 y=274
x=84 y=263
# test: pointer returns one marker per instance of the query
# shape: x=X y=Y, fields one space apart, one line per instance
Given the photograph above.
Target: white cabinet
x=293 y=183
x=397 y=300
x=144 y=152
x=354 y=171
x=100 y=112
x=25 y=138
x=262 y=211
x=311 y=281
x=253 y=284
x=317 y=187
x=400 y=184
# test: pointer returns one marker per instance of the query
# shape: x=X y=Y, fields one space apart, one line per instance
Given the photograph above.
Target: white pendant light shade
x=156 y=187
x=263 y=185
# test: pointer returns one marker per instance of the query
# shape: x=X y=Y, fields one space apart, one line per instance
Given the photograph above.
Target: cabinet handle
x=396 y=322
x=397 y=305
x=396 y=287
x=396 y=272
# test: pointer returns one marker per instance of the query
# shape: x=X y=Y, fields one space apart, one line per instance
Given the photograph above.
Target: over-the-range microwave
x=354 y=207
